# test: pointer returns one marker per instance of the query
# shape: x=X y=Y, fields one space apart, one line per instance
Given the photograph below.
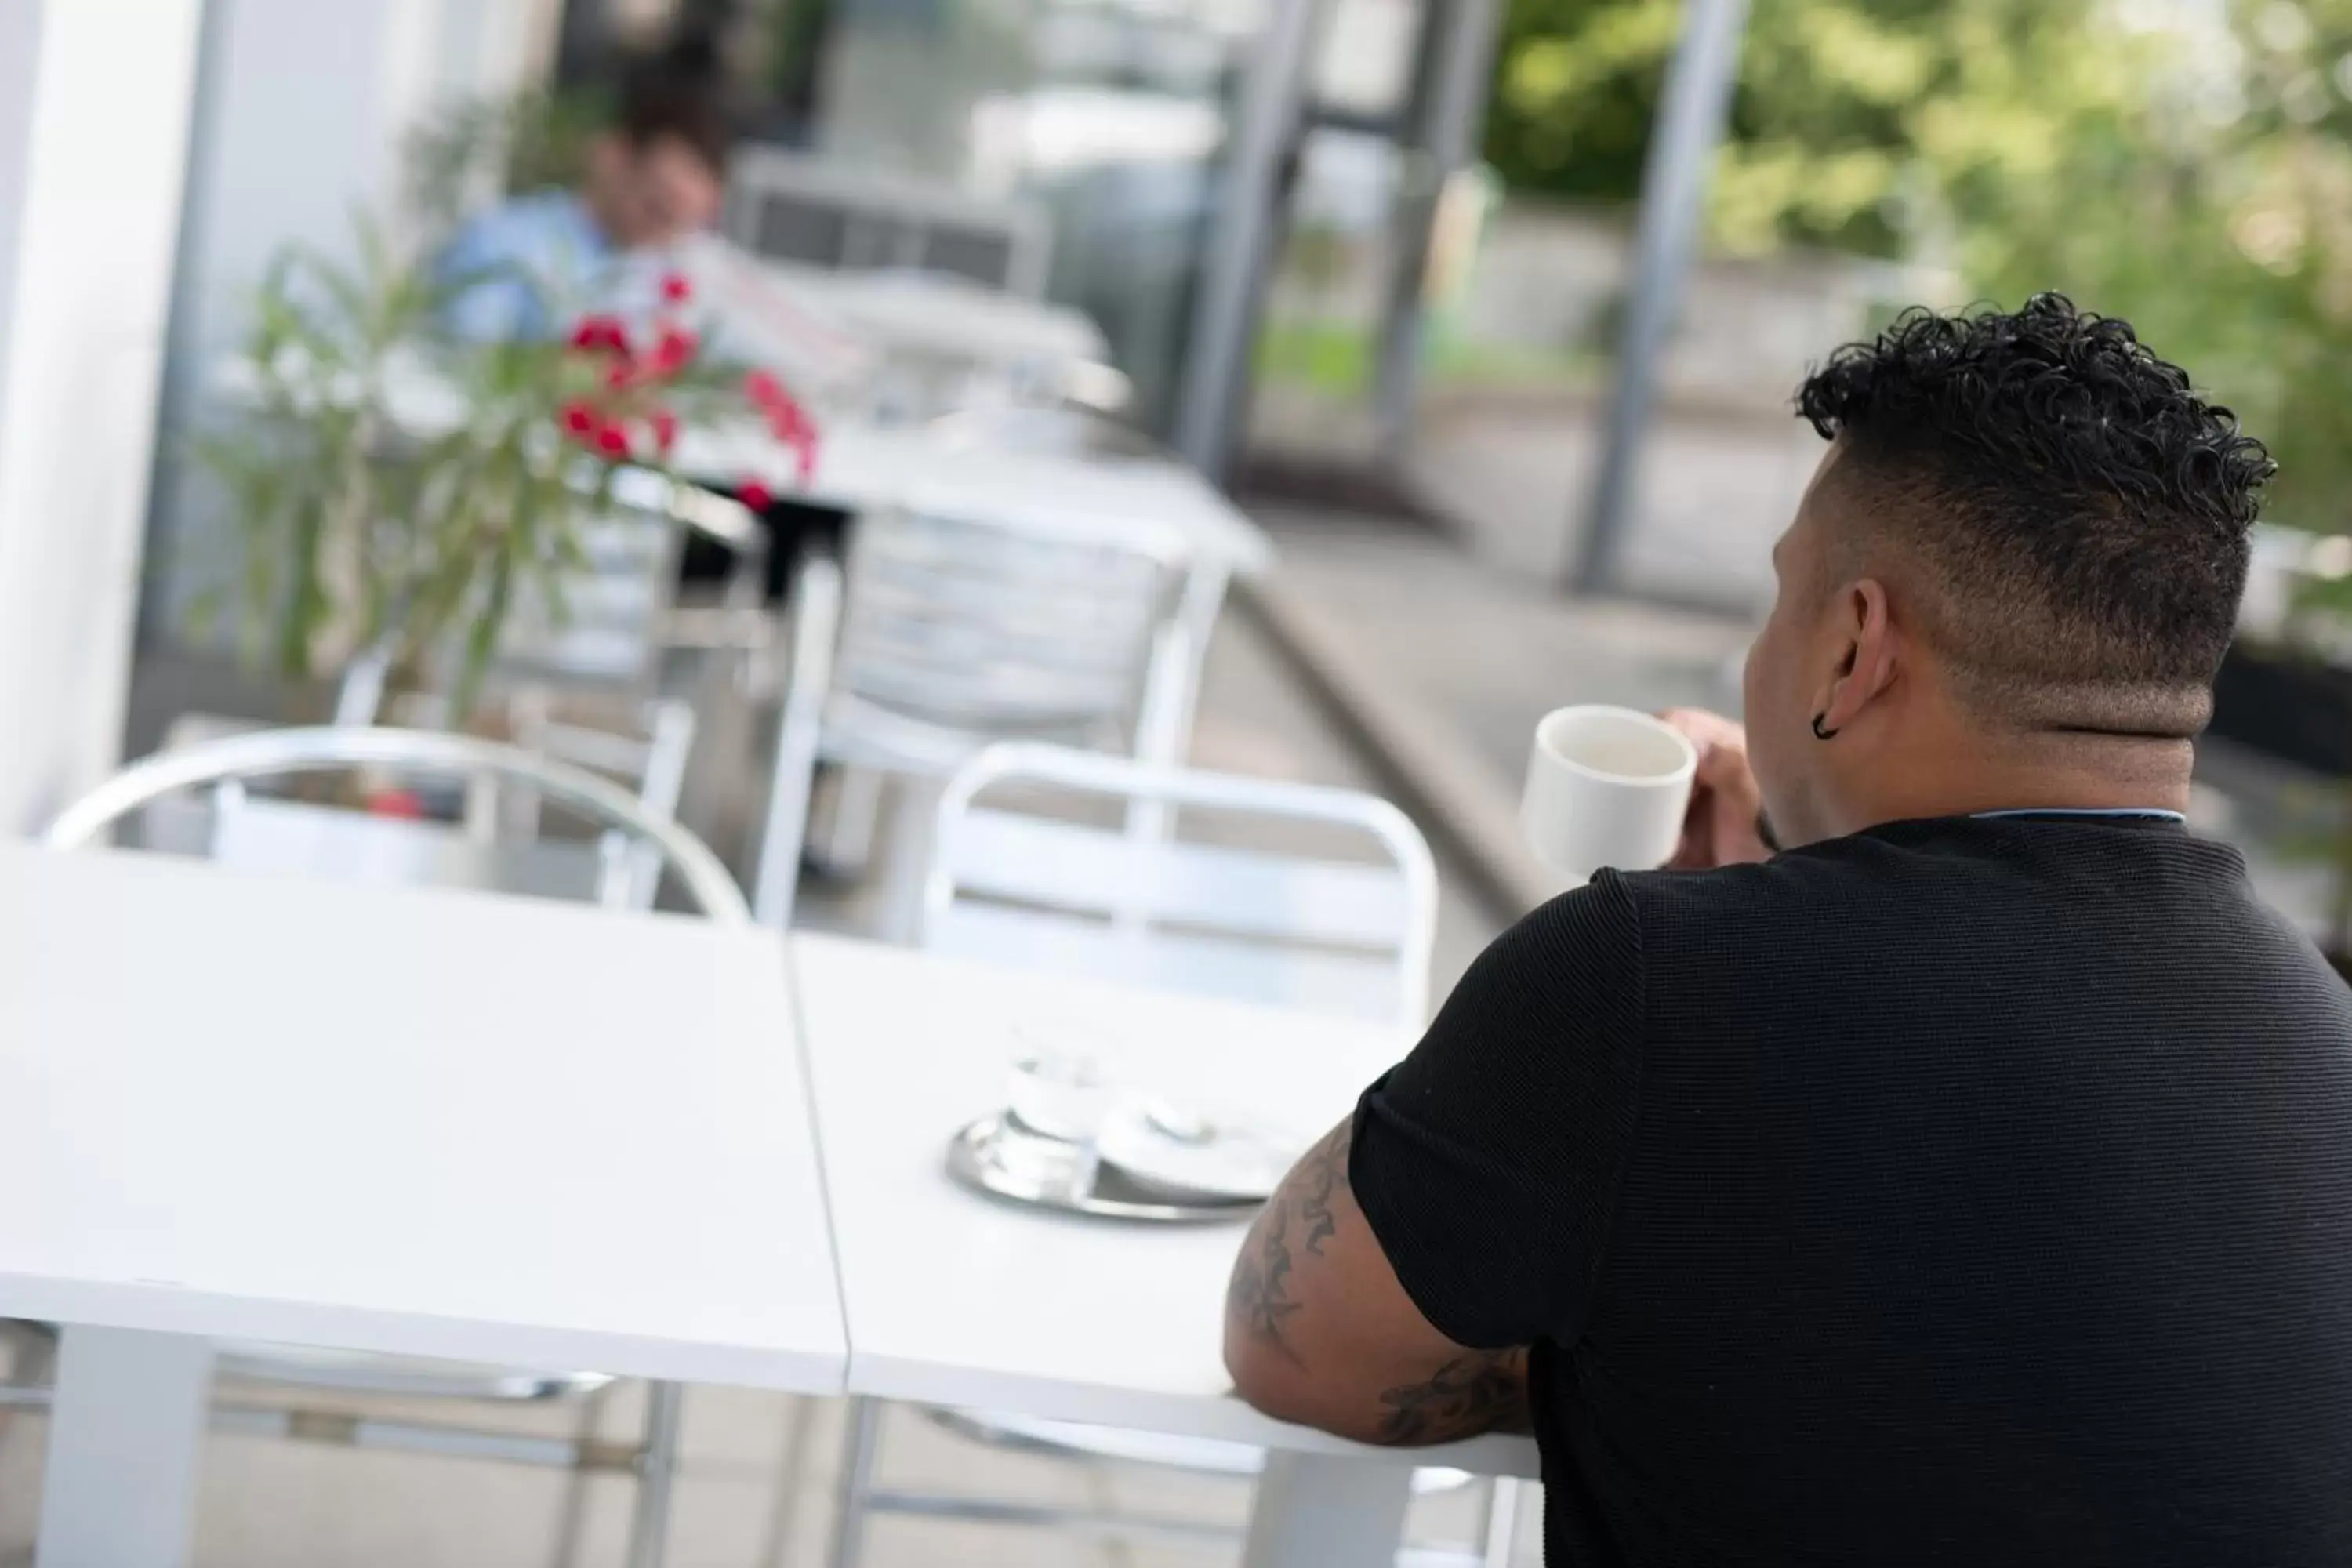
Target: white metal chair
x=818 y=213
x=497 y=847
x=1019 y=883
x=946 y=635
x=236 y=761
x=1071 y=863
x=603 y=623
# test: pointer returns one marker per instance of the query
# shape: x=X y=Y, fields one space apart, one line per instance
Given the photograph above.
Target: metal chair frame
x=886 y=223
x=641 y=531
x=1147 y=878
x=841 y=708
x=274 y=753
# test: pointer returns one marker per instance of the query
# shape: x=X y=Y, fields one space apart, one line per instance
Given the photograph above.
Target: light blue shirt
x=521 y=269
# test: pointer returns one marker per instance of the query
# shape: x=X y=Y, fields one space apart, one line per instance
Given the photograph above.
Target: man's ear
x=1867 y=655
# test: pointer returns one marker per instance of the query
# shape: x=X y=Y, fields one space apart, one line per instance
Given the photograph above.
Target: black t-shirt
x=1962 y=1192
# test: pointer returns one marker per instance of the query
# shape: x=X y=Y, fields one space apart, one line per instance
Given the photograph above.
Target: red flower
x=755 y=495
x=664 y=425
x=405 y=803
x=674 y=352
x=622 y=374
x=763 y=389
x=676 y=289
x=579 y=419
x=788 y=422
x=805 y=457
x=612 y=441
x=601 y=334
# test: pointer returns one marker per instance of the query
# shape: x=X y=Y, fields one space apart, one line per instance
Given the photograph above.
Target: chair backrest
x=818 y=213
x=1000 y=632
x=1038 y=886
x=603 y=624
x=364 y=849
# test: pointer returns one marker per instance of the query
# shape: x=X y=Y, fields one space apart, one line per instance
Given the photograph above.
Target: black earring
x=1820 y=733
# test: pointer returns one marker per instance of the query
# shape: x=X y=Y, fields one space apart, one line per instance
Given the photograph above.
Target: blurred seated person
x=654 y=180
x=1952 y=1163
x=652 y=187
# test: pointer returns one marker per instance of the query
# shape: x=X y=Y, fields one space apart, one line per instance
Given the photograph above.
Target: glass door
x=1119 y=119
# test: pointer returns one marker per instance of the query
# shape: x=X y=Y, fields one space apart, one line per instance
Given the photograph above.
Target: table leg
x=1319 y=1511
x=125 y=1429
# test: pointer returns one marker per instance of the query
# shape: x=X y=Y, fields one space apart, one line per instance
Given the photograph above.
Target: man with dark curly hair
x=1958 y=1169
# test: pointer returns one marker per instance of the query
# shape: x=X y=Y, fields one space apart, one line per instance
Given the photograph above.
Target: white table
x=401 y=1121
x=861 y=467
x=954 y=1298
x=928 y=314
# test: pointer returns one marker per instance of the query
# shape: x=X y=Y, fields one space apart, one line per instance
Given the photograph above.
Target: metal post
x=1263 y=138
x=856 y=1489
x=657 y=1474
x=1450 y=111
x=1673 y=191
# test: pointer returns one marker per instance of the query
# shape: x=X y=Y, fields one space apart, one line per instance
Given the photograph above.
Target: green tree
x=2211 y=203
x=1838 y=101
x=2187 y=166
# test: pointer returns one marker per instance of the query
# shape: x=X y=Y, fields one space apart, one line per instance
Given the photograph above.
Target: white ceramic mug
x=1606 y=786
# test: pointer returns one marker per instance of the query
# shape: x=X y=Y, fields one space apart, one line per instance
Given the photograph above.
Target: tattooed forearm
x=1317 y=1329
x=1322 y=1172
x=1259 y=1300
x=1467 y=1395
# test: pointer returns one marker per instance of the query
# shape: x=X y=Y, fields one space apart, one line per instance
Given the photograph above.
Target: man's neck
x=2057 y=773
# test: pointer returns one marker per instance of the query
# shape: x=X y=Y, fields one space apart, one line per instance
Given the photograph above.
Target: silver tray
x=1041 y=1173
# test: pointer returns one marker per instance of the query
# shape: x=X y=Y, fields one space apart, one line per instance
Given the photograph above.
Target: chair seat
x=1201 y=1456
x=358 y=1372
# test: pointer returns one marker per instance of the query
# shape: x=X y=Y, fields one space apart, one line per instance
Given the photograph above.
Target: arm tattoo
x=1322 y=1172
x=1259 y=1297
x=1467 y=1395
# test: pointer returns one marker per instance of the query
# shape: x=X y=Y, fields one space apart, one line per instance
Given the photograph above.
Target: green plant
x=357 y=532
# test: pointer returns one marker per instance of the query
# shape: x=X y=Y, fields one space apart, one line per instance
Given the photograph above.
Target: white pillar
x=305 y=111
x=94 y=109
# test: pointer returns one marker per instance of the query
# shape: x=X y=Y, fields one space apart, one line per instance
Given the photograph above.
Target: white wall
x=301 y=113
x=94 y=108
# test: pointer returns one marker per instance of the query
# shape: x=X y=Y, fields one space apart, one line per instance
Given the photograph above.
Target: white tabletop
x=860 y=466
x=956 y=1299
x=405 y=1121
x=921 y=312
